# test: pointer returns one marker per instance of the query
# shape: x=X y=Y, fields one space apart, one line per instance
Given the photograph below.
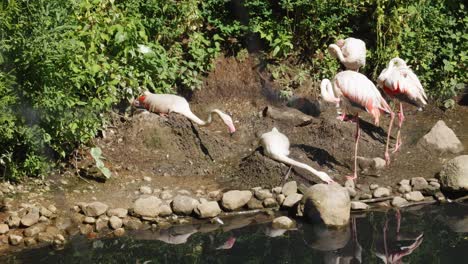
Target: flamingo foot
x=387 y=159
x=351 y=177
x=343 y=117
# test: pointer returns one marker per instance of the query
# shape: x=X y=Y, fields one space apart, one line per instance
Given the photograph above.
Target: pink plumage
x=356 y=93
x=400 y=82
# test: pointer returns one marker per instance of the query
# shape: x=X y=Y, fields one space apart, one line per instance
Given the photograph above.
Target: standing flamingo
x=351 y=52
x=399 y=81
x=357 y=93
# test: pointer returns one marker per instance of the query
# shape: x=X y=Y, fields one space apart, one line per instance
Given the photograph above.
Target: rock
x=414 y=196
x=270 y=202
x=183 y=205
x=441 y=138
x=115 y=222
x=101 y=224
x=280 y=198
x=31 y=218
x=165 y=210
x=145 y=190
x=419 y=183
x=34 y=230
x=373 y=186
x=45 y=212
x=4 y=229
x=277 y=190
x=233 y=200
x=132 y=223
x=119 y=232
x=184 y=192
x=119 y=212
x=43 y=219
x=29 y=241
x=435 y=184
x=404 y=182
x=399 y=201
x=289 y=188
x=366 y=164
x=95 y=209
x=86 y=229
x=215 y=195
x=359 y=205
x=404 y=189
x=147 y=206
x=292 y=199
x=263 y=194
x=282 y=222
x=381 y=192
x=208 y=209
x=351 y=191
x=89 y=220
x=454 y=174
x=379 y=163
x=14 y=221
x=440 y=196
x=366 y=196
x=288 y=114
x=254 y=203
x=166 y=195
x=328 y=203
x=45 y=237
x=147 y=179
x=15 y=240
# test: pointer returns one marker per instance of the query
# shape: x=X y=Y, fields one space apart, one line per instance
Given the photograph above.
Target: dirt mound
x=150 y=145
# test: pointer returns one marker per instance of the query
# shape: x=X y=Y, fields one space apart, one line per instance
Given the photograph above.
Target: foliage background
x=64 y=64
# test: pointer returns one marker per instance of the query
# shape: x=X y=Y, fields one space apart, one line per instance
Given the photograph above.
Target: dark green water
x=434 y=234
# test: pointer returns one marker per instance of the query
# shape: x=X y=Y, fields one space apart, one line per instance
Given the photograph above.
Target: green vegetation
x=64 y=64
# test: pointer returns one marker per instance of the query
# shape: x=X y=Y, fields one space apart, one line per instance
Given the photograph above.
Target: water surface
x=434 y=234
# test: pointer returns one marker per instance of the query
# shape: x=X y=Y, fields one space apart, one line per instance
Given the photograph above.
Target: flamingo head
x=139 y=102
x=397 y=62
x=340 y=43
x=228 y=122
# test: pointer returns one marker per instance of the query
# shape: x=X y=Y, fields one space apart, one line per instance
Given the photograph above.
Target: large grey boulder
x=328 y=203
x=233 y=200
x=208 y=209
x=454 y=174
x=442 y=139
x=183 y=204
x=147 y=206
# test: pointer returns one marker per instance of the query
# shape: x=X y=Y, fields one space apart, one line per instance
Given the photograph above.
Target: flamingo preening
x=276 y=146
x=400 y=82
x=351 y=52
x=168 y=103
x=356 y=93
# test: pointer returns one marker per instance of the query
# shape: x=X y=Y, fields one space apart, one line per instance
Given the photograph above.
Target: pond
x=433 y=234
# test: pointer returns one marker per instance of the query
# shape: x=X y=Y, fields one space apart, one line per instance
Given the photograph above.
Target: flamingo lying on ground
x=399 y=81
x=276 y=146
x=356 y=93
x=351 y=52
x=168 y=103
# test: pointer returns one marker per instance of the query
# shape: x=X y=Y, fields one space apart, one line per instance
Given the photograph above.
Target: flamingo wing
x=402 y=81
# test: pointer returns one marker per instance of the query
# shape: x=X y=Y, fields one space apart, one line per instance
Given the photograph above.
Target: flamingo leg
x=387 y=155
x=358 y=134
x=401 y=118
x=398 y=218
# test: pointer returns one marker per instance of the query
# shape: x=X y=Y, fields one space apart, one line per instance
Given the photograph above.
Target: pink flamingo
x=356 y=93
x=351 y=52
x=400 y=82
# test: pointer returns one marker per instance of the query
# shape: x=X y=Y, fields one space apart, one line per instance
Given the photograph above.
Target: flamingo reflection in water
x=392 y=247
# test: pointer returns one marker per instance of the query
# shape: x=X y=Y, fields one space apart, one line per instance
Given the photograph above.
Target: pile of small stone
x=29 y=225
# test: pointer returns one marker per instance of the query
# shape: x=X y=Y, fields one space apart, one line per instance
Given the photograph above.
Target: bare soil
x=178 y=154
